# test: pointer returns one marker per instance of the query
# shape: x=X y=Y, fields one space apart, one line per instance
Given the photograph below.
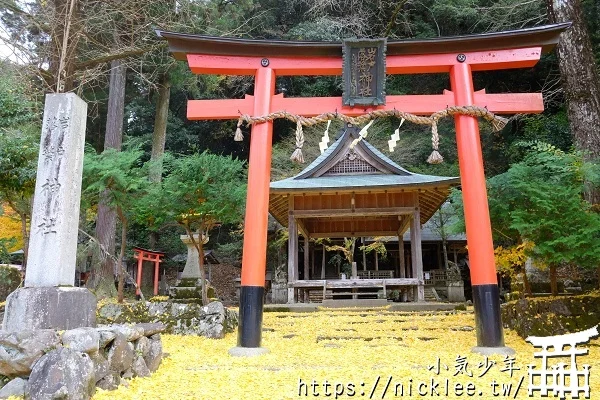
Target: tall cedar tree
x=580 y=81
x=103 y=273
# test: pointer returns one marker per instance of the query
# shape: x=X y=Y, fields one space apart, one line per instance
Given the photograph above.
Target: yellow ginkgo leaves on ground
x=346 y=354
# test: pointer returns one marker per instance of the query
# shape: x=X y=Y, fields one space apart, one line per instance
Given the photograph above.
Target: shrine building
x=355 y=192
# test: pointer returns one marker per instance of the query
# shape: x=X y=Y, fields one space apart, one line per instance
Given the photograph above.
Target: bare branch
x=111 y=57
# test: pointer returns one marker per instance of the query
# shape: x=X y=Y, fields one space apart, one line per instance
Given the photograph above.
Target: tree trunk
x=160 y=129
x=200 y=247
x=23 y=210
x=153 y=240
x=116 y=106
x=121 y=286
x=106 y=224
x=158 y=140
x=526 y=284
x=444 y=237
x=202 y=270
x=553 y=284
x=25 y=234
x=65 y=35
x=445 y=253
x=580 y=80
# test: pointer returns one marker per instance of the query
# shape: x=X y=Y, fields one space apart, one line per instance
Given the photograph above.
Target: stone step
x=330 y=303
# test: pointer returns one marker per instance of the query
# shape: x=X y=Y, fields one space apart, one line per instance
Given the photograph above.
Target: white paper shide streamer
x=325 y=139
x=395 y=137
x=362 y=134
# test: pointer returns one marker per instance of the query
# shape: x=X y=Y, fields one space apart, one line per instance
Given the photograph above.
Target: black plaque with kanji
x=364 y=72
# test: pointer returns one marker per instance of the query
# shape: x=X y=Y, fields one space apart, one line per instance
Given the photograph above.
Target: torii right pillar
x=484 y=281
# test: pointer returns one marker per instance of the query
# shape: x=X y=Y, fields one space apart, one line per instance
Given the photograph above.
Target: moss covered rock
x=548 y=316
x=212 y=320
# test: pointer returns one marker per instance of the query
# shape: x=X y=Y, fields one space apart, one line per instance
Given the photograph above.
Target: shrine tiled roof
x=315 y=177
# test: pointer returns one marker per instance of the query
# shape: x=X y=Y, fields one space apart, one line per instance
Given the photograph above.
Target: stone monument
x=49 y=299
x=188 y=288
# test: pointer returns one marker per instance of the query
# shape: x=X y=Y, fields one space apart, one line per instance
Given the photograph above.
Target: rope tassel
x=239 y=136
x=498 y=123
x=435 y=157
x=297 y=154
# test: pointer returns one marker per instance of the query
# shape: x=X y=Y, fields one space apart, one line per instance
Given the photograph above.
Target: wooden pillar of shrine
x=292 y=253
x=312 y=262
x=306 y=259
x=138 y=279
x=254 y=255
x=364 y=254
x=323 y=263
x=401 y=259
x=416 y=251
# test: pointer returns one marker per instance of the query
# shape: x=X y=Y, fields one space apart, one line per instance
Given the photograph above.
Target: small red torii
x=457 y=56
x=147 y=255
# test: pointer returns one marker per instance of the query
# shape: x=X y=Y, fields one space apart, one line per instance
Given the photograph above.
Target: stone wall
x=547 y=316
x=46 y=364
x=212 y=320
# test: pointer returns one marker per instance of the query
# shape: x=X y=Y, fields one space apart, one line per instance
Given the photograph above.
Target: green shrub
x=10 y=279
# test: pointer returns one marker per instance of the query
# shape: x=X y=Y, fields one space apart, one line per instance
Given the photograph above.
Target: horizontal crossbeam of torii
x=456 y=56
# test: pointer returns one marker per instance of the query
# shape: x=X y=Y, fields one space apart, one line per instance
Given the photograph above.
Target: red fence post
x=156 y=269
x=139 y=272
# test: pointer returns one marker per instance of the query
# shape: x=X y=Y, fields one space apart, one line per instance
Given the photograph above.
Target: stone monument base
x=189 y=290
x=58 y=308
x=491 y=351
x=247 y=351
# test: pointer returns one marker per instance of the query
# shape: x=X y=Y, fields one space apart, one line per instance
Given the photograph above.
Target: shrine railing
x=375 y=274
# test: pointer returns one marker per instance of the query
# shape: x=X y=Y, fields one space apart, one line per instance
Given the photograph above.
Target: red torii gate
x=147 y=255
x=457 y=56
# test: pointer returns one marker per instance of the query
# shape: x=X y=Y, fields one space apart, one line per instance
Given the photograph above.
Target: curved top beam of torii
x=181 y=44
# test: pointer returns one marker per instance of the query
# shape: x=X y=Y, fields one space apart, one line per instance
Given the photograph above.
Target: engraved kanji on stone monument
x=55 y=219
x=364 y=72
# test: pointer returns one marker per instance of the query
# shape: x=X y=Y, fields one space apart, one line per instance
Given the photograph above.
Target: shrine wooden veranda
x=458 y=57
